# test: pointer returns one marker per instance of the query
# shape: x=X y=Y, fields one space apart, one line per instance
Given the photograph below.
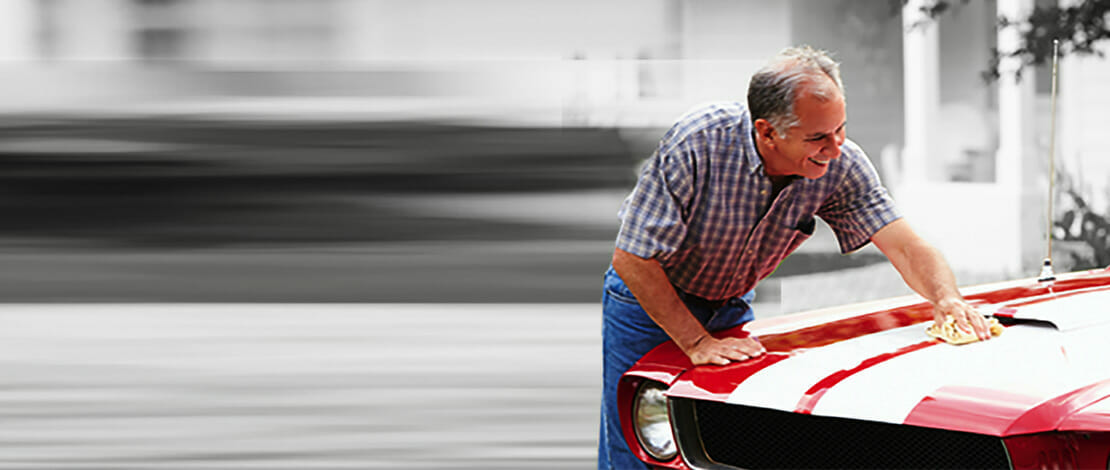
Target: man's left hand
x=967 y=317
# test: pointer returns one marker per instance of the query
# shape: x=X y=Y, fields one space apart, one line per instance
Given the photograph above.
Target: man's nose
x=832 y=146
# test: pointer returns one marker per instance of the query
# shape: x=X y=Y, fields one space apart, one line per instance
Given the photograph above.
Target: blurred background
x=369 y=171
x=362 y=150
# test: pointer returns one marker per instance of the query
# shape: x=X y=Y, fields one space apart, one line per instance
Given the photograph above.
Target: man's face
x=807 y=149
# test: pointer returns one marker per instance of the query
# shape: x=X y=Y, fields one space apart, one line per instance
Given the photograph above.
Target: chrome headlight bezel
x=651 y=419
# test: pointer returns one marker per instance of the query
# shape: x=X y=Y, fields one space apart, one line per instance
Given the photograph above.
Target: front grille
x=758 y=438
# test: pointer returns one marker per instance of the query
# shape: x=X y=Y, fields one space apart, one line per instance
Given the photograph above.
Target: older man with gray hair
x=729 y=193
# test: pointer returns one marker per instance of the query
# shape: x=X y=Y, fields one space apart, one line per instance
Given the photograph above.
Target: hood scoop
x=1065 y=312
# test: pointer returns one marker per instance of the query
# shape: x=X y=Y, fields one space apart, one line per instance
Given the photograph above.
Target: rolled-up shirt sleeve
x=859 y=206
x=654 y=216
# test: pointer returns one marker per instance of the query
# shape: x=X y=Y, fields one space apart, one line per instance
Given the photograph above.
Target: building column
x=1079 y=126
x=18 y=23
x=921 y=65
x=1015 y=100
x=1019 y=171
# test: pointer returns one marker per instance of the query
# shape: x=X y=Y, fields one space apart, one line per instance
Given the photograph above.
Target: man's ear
x=764 y=131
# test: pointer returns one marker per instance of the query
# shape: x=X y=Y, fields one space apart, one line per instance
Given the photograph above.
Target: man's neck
x=778 y=182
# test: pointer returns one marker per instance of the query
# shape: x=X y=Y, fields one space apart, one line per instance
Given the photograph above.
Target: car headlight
x=652 y=420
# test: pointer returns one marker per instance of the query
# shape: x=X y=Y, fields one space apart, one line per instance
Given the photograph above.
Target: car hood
x=1048 y=366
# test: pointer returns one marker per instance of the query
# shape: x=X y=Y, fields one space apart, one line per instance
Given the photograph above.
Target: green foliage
x=1079 y=28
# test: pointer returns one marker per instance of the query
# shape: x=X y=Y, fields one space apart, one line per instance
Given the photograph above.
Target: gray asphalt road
x=298 y=386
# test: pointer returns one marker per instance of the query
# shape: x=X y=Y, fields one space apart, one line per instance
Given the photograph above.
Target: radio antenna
x=1046 y=270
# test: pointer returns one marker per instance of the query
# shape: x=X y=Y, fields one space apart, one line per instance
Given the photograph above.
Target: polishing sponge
x=951 y=334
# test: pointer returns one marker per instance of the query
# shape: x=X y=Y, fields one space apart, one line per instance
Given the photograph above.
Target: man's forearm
x=647 y=281
x=927 y=273
x=921 y=266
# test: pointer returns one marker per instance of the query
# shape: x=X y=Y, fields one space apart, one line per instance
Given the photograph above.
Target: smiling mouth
x=819 y=162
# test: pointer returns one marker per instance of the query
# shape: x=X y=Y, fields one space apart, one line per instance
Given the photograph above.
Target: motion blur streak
x=216 y=210
x=305 y=386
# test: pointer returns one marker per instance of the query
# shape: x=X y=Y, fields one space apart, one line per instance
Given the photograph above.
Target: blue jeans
x=627 y=334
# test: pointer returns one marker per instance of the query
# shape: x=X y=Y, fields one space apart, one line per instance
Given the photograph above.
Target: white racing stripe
x=1025 y=359
x=1028 y=359
x=781 y=385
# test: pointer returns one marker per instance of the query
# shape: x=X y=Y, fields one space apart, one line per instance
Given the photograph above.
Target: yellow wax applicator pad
x=951 y=334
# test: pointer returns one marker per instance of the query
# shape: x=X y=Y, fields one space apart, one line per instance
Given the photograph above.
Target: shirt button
x=763 y=192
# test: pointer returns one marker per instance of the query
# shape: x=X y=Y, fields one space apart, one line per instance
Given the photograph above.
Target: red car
x=866 y=387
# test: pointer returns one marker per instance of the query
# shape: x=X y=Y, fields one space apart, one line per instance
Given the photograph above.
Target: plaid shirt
x=703 y=207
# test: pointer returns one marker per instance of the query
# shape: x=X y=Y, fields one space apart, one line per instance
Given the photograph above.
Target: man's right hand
x=710 y=350
x=647 y=281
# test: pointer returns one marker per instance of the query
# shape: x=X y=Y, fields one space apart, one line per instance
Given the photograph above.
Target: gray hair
x=774 y=88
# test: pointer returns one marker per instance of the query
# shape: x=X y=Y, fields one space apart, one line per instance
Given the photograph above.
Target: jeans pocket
x=617 y=290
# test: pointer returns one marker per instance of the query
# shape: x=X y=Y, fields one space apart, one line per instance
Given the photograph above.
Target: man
x=730 y=192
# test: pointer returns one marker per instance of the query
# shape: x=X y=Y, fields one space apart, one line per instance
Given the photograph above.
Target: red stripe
x=718 y=382
x=1002 y=413
x=1052 y=295
x=814 y=394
